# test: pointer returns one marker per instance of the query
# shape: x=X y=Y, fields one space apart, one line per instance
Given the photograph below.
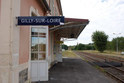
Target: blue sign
x=40 y=20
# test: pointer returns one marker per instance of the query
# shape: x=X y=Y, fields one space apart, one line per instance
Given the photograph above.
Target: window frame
x=38 y=51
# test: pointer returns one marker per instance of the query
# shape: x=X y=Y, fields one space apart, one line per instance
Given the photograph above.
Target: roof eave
x=45 y=4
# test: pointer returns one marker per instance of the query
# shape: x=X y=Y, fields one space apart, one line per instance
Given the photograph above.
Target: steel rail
x=115 y=76
x=104 y=57
x=108 y=64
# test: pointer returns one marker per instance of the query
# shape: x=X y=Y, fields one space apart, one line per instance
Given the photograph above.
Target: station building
x=28 y=52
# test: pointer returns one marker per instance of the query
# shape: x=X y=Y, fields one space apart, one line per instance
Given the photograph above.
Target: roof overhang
x=71 y=29
x=45 y=5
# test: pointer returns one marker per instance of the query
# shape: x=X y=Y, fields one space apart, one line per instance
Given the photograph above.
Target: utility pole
x=117 y=40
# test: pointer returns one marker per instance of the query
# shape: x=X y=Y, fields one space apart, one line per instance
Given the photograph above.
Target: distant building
x=27 y=52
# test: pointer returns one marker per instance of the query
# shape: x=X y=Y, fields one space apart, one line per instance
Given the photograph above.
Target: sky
x=104 y=15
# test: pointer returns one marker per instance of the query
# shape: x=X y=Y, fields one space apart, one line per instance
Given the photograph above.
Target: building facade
x=27 y=52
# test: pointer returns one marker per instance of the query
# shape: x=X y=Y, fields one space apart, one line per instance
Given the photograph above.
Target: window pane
x=34 y=33
x=34 y=46
x=38 y=44
x=34 y=56
x=42 y=33
x=34 y=40
x=42 y=40
x=42 y=30
x=42 y=56
x=42 y=47
x=44 y=36
x=35 y=30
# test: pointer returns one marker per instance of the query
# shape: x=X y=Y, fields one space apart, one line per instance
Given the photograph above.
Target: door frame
x=34 y=11
x=47 y=50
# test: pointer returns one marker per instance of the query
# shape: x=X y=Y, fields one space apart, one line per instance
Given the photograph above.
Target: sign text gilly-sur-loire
x=40 y=20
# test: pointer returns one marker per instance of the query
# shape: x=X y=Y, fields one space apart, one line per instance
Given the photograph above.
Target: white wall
x=5 y=41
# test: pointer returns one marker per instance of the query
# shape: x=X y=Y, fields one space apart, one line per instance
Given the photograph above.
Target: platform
x=76 y=71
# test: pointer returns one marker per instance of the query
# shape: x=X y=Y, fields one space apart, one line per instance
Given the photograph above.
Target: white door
x=39 y=53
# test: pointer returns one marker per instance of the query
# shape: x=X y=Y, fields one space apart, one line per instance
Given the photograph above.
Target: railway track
x=111 y=70
x=104 y=57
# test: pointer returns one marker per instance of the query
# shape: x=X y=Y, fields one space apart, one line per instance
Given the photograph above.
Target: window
x=38 y=44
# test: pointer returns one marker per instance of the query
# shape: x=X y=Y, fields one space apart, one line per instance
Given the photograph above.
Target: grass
x=69 y=54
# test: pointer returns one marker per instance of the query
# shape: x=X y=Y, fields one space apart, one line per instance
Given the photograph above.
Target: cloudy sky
x=104 y=15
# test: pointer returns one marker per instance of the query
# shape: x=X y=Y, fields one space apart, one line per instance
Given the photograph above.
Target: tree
x=109 y=45
x=79 y=47
x=89 y=46
x=120 y=43
x=100 y=40
x=84 y=47
x=65 y=47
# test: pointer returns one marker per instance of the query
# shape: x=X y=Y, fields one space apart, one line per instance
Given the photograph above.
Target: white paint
x=59 y=57
x=15 y=32
x=5 y=28
x=38 y=71
x=32 y=10
x=5 y=35
x=52 y=58
x=39 y=68
x=15 y=60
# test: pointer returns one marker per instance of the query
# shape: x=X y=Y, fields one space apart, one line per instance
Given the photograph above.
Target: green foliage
x=120 y=43
x=84 y=47
x=100 y=40
x=65 y=47
x=109 y=45
x=71 y=47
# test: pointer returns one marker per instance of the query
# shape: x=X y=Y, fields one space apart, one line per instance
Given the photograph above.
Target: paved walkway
x=76 y=71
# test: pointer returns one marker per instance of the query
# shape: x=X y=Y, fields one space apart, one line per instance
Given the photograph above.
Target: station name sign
x=40 y=20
